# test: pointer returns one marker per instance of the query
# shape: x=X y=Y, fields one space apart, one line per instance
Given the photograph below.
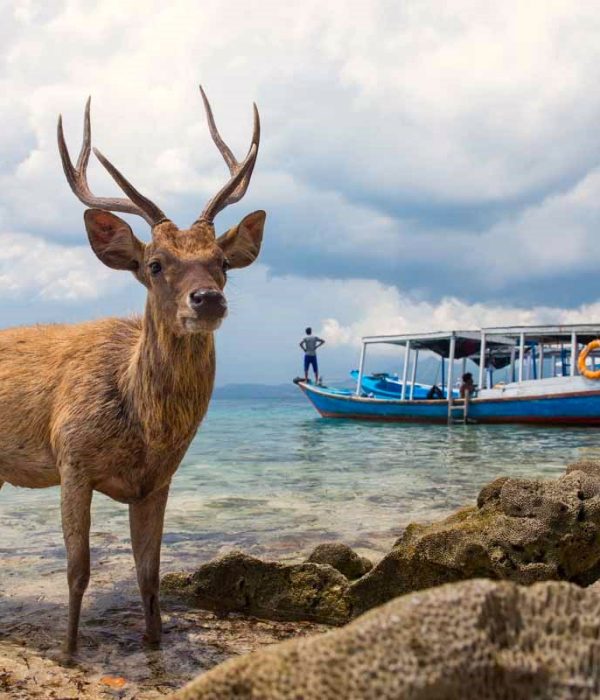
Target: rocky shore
x=436 y=626
x=520 y=530
x=474 y=640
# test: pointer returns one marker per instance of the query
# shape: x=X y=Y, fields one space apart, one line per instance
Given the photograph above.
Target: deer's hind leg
x=76 y=500
x=146 y=521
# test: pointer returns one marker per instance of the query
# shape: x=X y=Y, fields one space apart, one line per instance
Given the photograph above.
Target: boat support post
x=521 y=355
x=482 y=353
x=451 y=353
x=512 y=363
x=405 y=370
x=574 y=353
x=361 y=368
x=414 y=375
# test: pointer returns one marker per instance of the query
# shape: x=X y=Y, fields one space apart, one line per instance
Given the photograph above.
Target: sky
x=423 y=165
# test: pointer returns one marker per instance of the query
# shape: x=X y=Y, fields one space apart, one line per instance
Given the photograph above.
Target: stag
x=112 y=405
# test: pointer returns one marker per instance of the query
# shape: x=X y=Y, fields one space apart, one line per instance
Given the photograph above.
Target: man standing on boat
x=310 y=344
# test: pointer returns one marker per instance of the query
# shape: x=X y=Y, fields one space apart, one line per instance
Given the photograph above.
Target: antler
x=76 y=176
x=241 y=173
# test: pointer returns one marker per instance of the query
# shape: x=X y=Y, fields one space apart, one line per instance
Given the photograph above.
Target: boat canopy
x=466 y=343
x=499 y=346
x=551 y=335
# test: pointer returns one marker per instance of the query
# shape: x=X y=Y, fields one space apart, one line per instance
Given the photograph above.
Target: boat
x=389 y=386
x=548 y=377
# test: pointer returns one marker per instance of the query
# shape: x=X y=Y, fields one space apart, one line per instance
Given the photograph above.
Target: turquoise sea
x=268 y=477
x=271 y=477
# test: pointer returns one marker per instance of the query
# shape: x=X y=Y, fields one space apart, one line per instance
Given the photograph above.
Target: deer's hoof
x=67 y=656
x=151 y=641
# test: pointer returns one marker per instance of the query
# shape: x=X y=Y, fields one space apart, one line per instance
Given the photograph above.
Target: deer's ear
x=241 y=244
x=113 y=241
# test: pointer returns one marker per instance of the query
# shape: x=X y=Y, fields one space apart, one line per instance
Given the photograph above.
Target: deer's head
x=185 y=271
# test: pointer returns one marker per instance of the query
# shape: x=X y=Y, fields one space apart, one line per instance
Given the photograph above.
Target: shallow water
x=272 y=478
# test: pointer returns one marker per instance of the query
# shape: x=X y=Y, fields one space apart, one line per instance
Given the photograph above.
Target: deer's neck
x=170 y=381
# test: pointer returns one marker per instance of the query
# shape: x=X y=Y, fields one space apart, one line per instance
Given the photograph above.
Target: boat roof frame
x=498 y=335
x=550 y=333
x=424 y=338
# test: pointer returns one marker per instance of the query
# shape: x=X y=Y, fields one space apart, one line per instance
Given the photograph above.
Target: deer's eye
x=155 y=267
x=226 y=265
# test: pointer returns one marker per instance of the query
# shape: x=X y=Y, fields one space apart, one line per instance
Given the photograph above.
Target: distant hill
x=257 y=391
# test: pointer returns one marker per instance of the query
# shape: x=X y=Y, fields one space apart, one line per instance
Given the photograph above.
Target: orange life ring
x=582 y=358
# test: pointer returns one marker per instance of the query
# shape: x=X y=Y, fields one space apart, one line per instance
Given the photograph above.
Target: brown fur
x=112 y=405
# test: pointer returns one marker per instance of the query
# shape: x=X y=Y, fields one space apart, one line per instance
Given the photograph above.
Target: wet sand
x=112 y=661
x=33 y=600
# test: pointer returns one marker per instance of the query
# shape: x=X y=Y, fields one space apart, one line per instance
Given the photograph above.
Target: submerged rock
x=473 y=640
x=521 y=530
x=237 y=582
x=342 y=558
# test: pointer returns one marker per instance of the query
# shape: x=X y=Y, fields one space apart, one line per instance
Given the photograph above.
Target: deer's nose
x=207 y=299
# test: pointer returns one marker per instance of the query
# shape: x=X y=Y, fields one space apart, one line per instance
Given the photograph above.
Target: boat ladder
x=459 y=412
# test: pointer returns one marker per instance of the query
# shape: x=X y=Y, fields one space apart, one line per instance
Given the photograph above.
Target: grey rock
x=342 y=558
x=239 y=583
x=522 y=530
x=491 y=491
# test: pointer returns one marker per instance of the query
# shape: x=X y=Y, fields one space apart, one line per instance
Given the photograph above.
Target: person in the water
x=310 y=344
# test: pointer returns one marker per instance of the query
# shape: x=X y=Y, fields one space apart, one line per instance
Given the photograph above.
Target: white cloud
x=268 y=315
x=30 y=267
x=473 y=102
x=381 y=310
x=450 y=151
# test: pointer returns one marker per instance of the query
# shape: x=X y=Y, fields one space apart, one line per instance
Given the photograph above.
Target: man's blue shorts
x=310 y=360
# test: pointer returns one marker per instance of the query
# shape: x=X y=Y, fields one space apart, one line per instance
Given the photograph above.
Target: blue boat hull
x=557 y=409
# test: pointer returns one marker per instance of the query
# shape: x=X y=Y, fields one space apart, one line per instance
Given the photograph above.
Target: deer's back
x=54 y=376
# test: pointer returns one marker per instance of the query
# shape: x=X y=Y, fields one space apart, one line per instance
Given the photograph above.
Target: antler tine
x=216 y=136
x=241 y=173
x=147 y=208
x=84 y=153
x=77 y=178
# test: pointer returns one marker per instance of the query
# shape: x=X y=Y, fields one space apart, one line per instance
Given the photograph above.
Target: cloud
x=448 y=153
x=269 y=314
x=438 y=119
x=32 y=268
x=390 y=313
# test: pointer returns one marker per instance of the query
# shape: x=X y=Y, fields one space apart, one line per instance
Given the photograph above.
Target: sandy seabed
x=112 y=661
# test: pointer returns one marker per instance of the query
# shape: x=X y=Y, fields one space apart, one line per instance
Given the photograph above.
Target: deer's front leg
x=146 y=520
x=76 y=499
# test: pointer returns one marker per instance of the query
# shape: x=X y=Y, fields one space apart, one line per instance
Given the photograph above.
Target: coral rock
x=477 y=640
x=522 y=530
x=237 y=582
x=342 y=558
x=589 y=466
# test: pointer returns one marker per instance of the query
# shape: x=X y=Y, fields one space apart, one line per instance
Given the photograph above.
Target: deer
x=111 y=406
